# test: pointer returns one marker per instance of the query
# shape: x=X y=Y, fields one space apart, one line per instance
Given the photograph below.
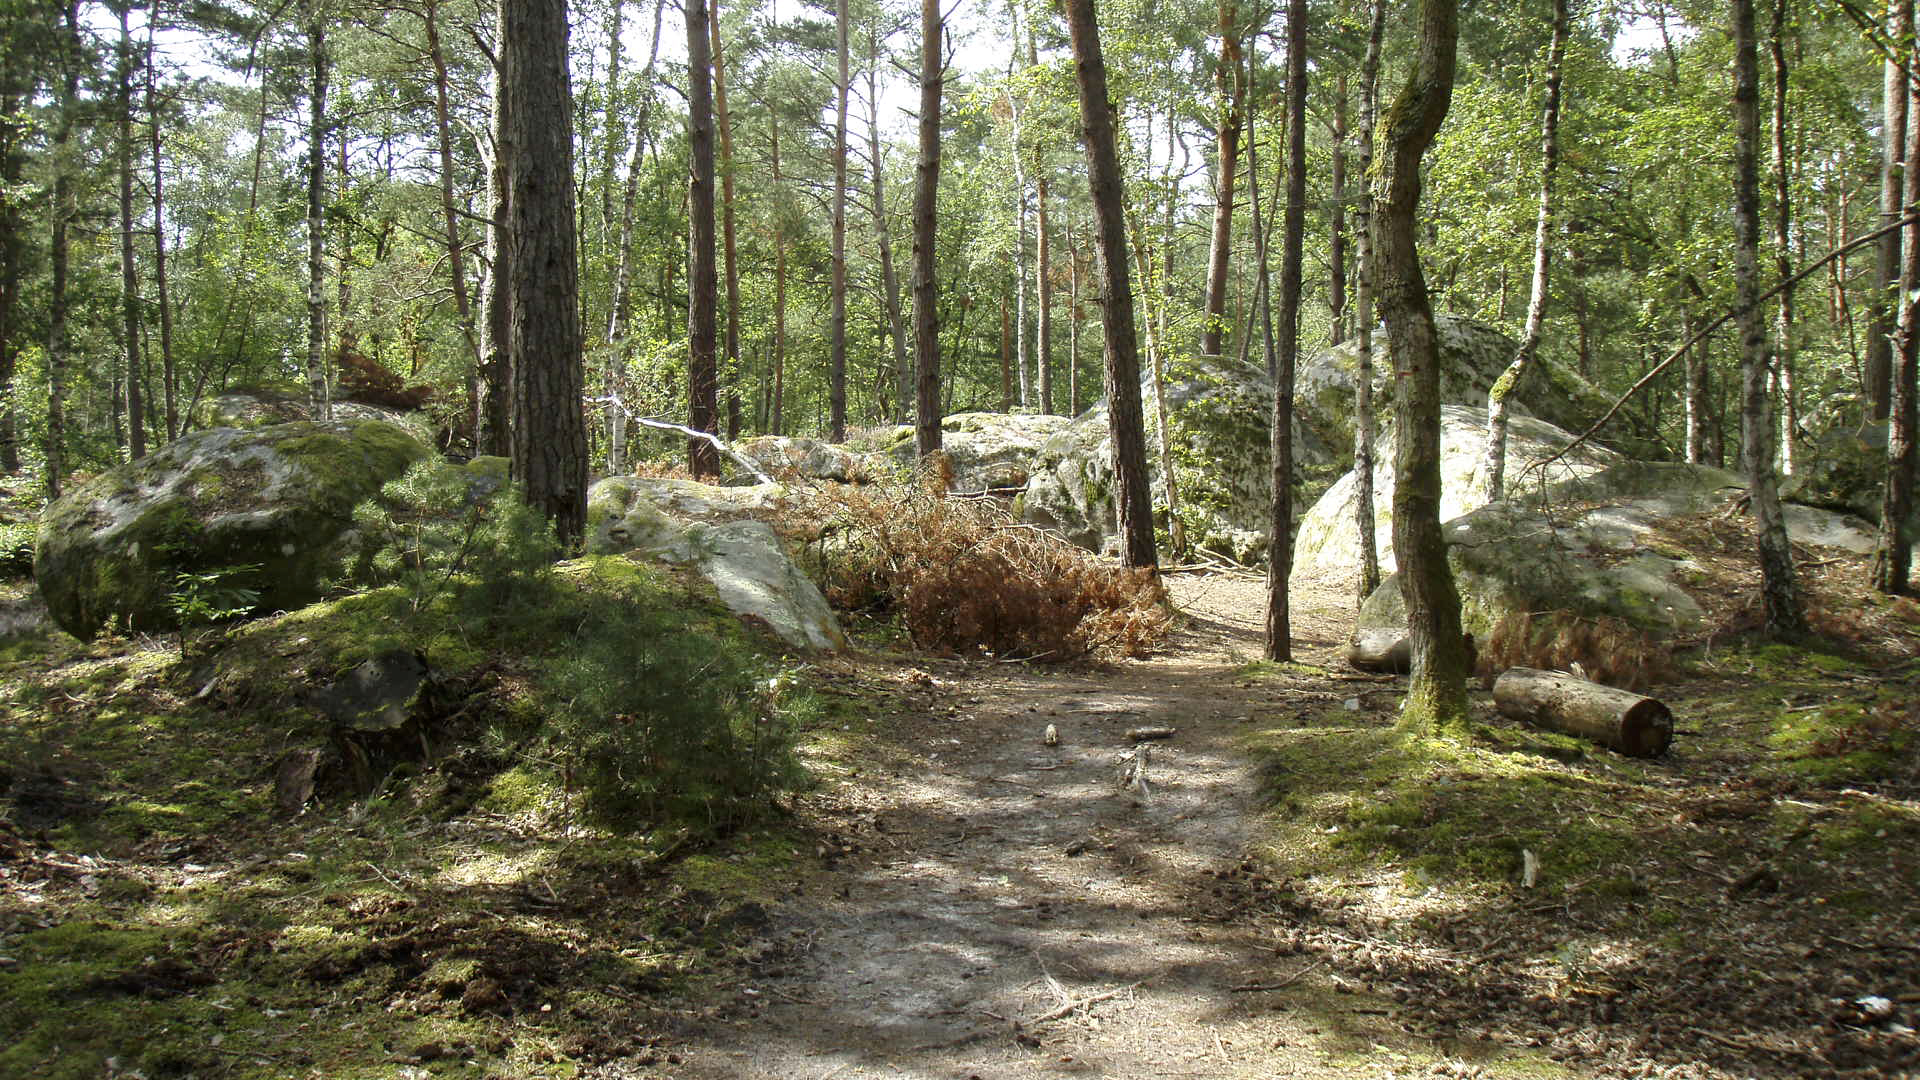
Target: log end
x=1646 y=729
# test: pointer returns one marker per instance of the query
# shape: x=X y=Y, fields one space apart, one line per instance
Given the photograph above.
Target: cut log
x=1386 y=651
x=1143 y=734
x=1620 y=720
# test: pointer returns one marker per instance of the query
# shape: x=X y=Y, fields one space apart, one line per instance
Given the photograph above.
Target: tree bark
x=494 y=409
x=1232 y=93
x=1784 y=616
x=1617 y=719
x=449 y=210
x=1042 y=262
x=1783 y=242
x=58 y=343
x=13 y=90
x=730 y=371
x=1887 y=262
x=926 y=190
x=777 y=423
x=1892 y=560
x=129 y=283
x=1279 y=637
x=1494 y=466
x=169 y=378
x=549 y=432
x=837 y=328
x=703 y=406
x=1363 y=426
x=883 y=239
x=319 y=401
x=1337 y=226
x=1436 y=693
x=1134 y=504
x=620 y=306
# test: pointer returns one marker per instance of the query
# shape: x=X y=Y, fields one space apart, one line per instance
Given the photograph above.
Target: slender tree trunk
x=494 y=409
x=14 y=88
x=1020 y=266
x=1493 y=467
x=1892 y=561
x=883 y=239
x=837 y=389
x=926 y=190
x=169 y=378
x=620 y=306
x=1696 y=393
x=1073 y=323
x=1232 y=93
x=1437 y=693
x=1176 y=529
x=129 y=283
x=1043 y=299
x=1135 y=505
x=347 y=337
x=611 y=131
x=1006 y=351
x=58 y=344
x=1887 y=263
x=1363 y=434
x=1784 y=616
x=319 y=401
x=1783 y=241
x=730 y=370
x=1337 y=238
x=1280 y=546
x=778 y=424
x=702 y=283
x=449 y=209
x=549 y=431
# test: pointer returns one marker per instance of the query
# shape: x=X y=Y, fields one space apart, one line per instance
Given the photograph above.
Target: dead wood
x=1621 y=720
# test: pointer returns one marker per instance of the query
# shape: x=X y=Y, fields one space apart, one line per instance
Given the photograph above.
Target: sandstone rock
x=272 y=505
x=988 y=451
x=263 y=408
x=784 y=457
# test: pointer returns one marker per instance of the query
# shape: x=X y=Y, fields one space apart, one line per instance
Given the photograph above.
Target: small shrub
x=963 y=575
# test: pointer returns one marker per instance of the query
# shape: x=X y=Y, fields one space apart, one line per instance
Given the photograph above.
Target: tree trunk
x=1043 y=294
x=1363 y=434
x=493 y=411
x=1892 y=561
x=1006 y=352
x=611 y=132
x=1887 y=263
x=1617 y=719
x=1134 y=504
x=777 y=422
x=449 y=211
x=1337 y=227
x=1494 y=466
x=926 y=190
x=703 y=405
x=1784 y=616
x=63 y=211
x=129 y=283
x=620 y=306
x=837 y=329
x=1437 y=692
x=1279 y=638
x=319 y=401
x=549 y=431
x=1783 y=241
x=883 y=239
x=1073 y=323
x=1232 y=93
x=169 y=378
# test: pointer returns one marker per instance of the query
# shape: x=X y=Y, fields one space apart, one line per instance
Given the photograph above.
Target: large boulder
x=1472 y=356
x=742 y=557
x=1327 y=546
x=1071 y=489
x=986 y=451
x=266 y=510
x=783 y=457
x=264 y=408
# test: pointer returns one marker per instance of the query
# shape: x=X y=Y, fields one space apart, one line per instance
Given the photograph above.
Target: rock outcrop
x=264 y=408
x=711 y=530
x=267 y=510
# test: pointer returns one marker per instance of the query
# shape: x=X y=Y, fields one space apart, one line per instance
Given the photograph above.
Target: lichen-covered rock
x=267 y=508
x=1472 y=356
x=785 y=457
x=987 y=451
x=1326 y=547
x=743 y=558
x=1071 y=489
x=263 y=408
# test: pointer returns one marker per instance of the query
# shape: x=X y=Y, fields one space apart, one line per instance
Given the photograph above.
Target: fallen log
x=1620 y=720
x=1387 y=651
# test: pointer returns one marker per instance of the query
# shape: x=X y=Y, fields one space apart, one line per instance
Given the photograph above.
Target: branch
x=1849 y=246
x=718 y=443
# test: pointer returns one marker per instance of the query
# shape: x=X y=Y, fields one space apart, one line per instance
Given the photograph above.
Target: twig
x=1283 y=983
x=1094 y=999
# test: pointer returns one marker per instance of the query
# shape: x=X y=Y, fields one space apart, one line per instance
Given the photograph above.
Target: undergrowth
x=962 y=575
x=1610 y=650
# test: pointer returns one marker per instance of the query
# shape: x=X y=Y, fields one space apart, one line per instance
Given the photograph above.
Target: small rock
x=1052 y=736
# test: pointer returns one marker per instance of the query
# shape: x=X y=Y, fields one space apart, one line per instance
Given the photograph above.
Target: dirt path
x=1010 y=909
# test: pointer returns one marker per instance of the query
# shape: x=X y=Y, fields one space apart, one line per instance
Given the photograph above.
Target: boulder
x=263 y=408
x=987 y=451
x=1071 y=489
x=743 y=558
x=1472 y=356
x=786 y=458
x=268 y=510
x=1326 y=548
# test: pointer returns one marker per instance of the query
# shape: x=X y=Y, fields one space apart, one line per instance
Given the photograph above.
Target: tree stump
x=1620 y=720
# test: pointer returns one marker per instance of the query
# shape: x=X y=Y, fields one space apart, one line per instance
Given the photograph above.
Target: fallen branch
x=1251 y=988
x=692 y=433
x=1094 y=999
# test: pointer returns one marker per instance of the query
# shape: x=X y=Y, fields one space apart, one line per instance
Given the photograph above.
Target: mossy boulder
x=986 y=451
x=265 y=407
x=786 y=457
x=269 y=509
x=742 y=557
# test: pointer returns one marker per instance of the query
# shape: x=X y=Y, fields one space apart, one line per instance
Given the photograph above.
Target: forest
x=1335 y=538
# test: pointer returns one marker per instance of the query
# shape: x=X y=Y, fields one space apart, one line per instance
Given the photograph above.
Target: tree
x=837 y=393
x=1778 y=588
x=493 y=412
x=1363 y=306
x=926 y=191
x=1437 y=692
x=702 y=276
x=1887 y=262
x=1231 y=90
x=1131 y=500
x=1892 y=559
x=319 y=401
x=549 y=433
x=129 y=283
x=1279 y=638
x=1494 y=466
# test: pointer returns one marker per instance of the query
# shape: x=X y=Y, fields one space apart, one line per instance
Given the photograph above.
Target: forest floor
x=1296 y=890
